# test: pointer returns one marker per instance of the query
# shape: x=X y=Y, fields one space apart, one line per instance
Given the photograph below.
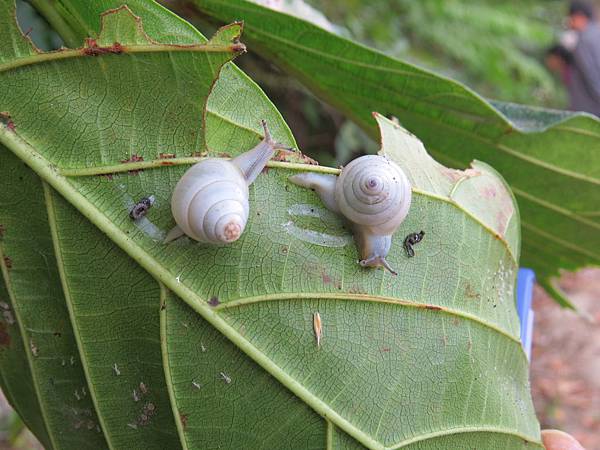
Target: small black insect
x=140 y=209
x=410 y=240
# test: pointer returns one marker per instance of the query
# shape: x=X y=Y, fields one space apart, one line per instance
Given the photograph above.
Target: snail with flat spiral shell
x=210 y=201
x=374 y=194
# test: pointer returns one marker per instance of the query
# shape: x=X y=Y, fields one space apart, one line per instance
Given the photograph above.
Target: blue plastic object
x=525 y=281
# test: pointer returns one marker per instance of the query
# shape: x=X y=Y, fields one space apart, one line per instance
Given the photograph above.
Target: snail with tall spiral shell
x=374 y=194
x=210 y=201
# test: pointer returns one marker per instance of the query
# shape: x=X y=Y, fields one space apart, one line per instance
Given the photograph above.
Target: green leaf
x=235 y=101
x=428 y=359
x=550 y=159
x=47 y=383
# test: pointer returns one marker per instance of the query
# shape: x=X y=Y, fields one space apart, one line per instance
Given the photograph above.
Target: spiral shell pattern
x=210 y=202
x=373 y=192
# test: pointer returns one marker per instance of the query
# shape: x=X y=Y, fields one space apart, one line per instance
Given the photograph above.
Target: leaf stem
x=121 y=49
x=164 y=295
x=156 y=163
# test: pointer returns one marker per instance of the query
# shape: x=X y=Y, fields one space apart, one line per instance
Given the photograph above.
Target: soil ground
x=565 y=368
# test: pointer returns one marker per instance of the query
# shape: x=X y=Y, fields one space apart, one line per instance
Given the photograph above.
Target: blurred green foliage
x=495 y=47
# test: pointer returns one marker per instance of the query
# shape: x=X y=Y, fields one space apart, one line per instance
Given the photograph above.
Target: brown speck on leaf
x=92 y=49
x=385 y=349
x=224 y=155
x=2 y=230
x=7 y=120
x=433 y=307
x=199 y=154
x=471 y=293
x=8 y=262
x=33 y=347
x=4 y=336
x=108 y=176
x=57 y=334
x=133 y=158
x=214 y=301
x=143 y=388
x=166 y=155
x=326 y=278
x=184 y=419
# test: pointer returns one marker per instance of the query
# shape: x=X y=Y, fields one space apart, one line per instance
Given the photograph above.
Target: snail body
x=372 y=193
x=210 y=201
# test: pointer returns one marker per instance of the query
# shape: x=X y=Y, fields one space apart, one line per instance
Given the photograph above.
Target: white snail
x=374 y=194
x=210 y=201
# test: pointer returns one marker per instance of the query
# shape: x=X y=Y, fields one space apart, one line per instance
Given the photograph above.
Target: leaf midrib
x=58 y=55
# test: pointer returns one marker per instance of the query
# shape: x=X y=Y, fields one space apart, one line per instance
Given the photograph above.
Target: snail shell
x=210 y=201
x=371 y=192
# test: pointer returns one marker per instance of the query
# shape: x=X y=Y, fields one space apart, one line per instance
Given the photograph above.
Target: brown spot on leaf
x=8 y=262
x=133 y=158
x=7 y=120
x=214 y=301
x=471 y=293
x=2 y=230
x=93 y=49
x=184 y=419
x=433 y=307
x=166 y=155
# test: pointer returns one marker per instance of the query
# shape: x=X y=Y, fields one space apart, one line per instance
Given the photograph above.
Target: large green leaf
x=204 y=346
x=550 y=159
x=235 y=101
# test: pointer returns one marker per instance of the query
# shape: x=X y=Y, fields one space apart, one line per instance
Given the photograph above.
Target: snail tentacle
x=322 y=184
x=175 y=233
